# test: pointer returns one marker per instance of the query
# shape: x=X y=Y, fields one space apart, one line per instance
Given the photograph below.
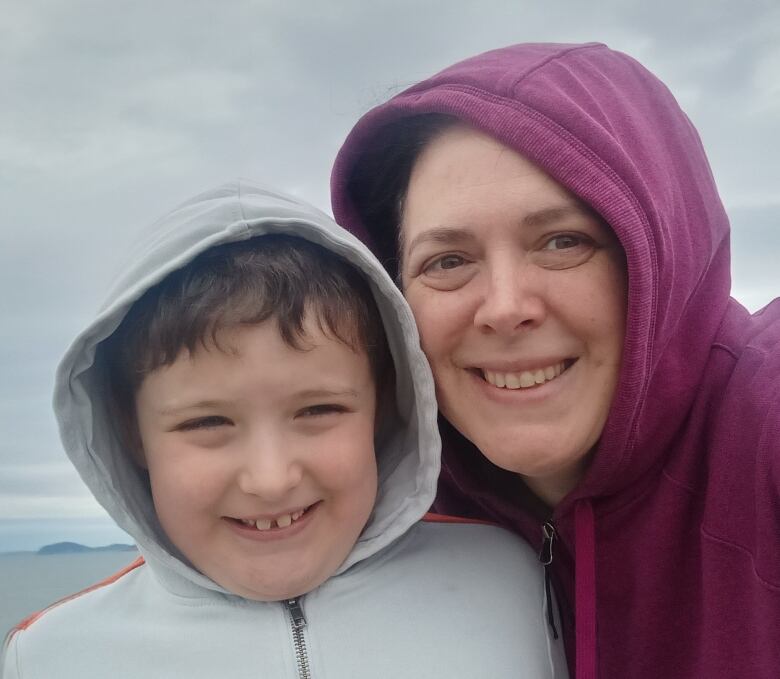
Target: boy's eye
x=210 y=422
x=321 y=409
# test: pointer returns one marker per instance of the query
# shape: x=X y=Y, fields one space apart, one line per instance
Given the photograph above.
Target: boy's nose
x=269 y=472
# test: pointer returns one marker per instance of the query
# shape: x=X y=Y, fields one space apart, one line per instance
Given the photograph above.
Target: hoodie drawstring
x=585 y=589
x=546 y=557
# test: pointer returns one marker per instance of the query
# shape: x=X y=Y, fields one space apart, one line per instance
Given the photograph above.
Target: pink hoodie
x=667 y=555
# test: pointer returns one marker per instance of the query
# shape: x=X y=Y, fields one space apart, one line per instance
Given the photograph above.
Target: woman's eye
x=564 y=242
x=444 y=263
x=564 y=251
x=210 y=422
x=446 y=271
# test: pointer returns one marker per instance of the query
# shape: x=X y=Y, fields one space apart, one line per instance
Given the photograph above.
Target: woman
x=553 y=221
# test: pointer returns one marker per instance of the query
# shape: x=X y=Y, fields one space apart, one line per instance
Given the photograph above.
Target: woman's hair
x=380 y=179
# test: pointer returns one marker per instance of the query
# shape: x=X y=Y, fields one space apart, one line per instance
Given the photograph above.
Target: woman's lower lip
x=273 y=534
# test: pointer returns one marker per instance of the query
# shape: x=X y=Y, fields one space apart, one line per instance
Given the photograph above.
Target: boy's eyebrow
x=198 y=405
x=209 y=404
x=327 y=393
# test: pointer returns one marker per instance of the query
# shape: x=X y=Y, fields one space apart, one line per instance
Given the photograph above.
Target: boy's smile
x=261 y=457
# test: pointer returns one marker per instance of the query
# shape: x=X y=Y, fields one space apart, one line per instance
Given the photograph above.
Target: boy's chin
x=280 y=592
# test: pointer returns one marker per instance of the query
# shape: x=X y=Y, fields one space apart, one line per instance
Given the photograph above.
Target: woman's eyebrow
x=453 y=235
x=442 y=234
x=554 y=214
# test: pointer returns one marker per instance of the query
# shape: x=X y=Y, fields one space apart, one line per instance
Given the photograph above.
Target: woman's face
x=519 y=291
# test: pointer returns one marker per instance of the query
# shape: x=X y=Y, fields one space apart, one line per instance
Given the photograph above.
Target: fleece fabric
x=667 y=558
x=412 y=599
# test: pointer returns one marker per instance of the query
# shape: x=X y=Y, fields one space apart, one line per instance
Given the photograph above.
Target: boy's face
x=261 y=457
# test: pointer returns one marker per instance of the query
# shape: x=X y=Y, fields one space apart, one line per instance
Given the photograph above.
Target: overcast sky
x=111 y=113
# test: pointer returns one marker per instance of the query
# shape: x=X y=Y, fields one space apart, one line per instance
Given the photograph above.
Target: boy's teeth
x=279 y=522
x=523 y=379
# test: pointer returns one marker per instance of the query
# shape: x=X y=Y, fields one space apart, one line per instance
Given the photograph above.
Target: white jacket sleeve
x=9 y=663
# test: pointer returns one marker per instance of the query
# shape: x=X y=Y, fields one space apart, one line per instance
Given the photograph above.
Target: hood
x=407 y=447
x=604 y=127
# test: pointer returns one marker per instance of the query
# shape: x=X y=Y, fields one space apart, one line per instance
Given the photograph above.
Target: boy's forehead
x=313 y=332
x=248 y=357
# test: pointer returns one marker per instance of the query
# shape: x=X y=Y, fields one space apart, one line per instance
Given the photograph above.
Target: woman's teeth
x=281 y=521
x=524 y=379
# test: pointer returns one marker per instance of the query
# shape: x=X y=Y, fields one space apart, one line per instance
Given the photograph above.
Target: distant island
x=76 y=548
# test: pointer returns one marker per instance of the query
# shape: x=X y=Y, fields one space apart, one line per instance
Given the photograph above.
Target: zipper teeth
x=297 y=623
x=300 y=653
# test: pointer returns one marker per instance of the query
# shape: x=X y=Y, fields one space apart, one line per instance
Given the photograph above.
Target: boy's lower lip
x=272 y=534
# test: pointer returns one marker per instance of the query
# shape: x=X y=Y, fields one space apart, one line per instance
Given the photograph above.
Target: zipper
x=298 y=623
x=546 y=557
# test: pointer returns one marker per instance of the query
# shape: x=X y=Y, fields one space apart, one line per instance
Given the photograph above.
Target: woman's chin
x=539 y=454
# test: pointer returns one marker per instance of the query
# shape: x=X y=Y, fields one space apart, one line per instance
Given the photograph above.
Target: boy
x=252 y=406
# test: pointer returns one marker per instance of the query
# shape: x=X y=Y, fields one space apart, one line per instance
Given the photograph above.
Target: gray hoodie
x=413 y=598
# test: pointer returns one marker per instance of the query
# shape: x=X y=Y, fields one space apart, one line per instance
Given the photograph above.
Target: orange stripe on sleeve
x=432 y=517
x=30 y=619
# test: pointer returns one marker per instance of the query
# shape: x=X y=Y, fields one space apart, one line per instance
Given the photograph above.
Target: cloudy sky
x=114 y=112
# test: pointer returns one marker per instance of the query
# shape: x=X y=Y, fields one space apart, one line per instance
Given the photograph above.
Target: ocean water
x=29 y=582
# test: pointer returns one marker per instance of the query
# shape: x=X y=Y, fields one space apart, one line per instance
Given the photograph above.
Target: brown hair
x=380 y=179
x=275 y=276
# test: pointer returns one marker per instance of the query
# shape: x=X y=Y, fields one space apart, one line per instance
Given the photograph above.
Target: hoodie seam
x=647 y=488
x=729 y=350
x=555 y=57
x=744 y=550
x=16 y=650
x=18 y=655
x=678 y=483
x=240 y=202
x=435 y=85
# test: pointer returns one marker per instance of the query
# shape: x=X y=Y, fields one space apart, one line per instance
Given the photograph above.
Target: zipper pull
x=546 y=552
x=296 y=613
x=546 y=557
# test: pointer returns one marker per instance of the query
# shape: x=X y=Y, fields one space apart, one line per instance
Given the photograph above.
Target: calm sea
x=30 y=582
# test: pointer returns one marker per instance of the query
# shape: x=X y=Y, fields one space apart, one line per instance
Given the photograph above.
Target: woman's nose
x=512 y=301
x=268 y=470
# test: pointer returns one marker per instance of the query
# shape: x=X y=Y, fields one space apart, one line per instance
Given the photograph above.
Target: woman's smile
x=531 y=388
x=523 y=378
